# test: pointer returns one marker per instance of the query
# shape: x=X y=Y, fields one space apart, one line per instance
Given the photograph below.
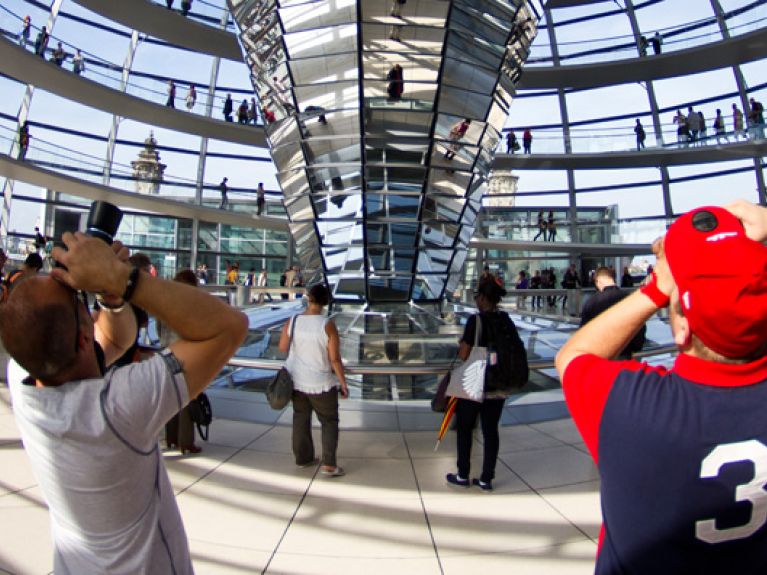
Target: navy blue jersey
x=683 y=459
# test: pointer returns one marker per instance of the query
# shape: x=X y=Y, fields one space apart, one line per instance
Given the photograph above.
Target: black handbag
x=201 y=414
x=279 y=392
x=440 y=399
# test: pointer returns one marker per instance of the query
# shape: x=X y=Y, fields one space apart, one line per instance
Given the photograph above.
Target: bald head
x=37 y=326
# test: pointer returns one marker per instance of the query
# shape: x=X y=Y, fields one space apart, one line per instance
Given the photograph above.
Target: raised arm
x=210 y=331
x=115 y=324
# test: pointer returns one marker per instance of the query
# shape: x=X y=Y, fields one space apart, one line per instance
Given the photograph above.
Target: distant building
x=501 y=182
x=148 y=170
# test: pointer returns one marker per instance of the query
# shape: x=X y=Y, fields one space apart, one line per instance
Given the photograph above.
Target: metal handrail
x=415 y=368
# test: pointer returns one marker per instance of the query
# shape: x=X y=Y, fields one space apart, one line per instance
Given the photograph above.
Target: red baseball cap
x=721 y=276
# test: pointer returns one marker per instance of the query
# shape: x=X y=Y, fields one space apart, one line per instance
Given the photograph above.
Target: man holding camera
x=682 y=453
x=92 y=434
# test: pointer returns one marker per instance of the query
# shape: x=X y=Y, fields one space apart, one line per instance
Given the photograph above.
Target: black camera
x=103 y=221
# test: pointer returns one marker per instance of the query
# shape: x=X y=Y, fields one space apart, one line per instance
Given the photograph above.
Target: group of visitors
x=292 y=278
x=91 y=433
x=692 y=129
x=547 y=279
x=540 y=279
x=656 y=41
x=512 y=143
x=247 y=113
x=40 y=46
x=223 y=189
x=547 y=227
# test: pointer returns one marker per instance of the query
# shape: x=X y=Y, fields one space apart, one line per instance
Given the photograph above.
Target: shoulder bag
x=280 y=390
x=440 y=399
x=467 y=381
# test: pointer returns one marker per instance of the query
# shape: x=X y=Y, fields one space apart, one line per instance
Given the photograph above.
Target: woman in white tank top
x=314 y=362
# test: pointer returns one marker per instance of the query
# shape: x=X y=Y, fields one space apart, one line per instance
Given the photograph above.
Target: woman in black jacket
x=506 y=370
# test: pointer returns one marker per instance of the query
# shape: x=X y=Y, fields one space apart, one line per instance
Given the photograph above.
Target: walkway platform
x=155 y=20
x=647 y=158
x=24 y=66
x=248 y=509
x=28 y=172
x=736 y=50
x=160 y=22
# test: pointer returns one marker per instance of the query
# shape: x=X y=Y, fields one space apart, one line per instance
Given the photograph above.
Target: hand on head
x=664 y=279
x=92 y=265
x=753 y=218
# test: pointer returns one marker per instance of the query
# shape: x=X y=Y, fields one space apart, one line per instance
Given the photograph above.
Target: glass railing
x=588 y=231
x=402 y=353
x=600 y=140
x=682 y=37
x=53 y=156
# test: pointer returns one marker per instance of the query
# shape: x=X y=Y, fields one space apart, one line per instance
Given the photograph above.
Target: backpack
x=510 y=370
x=201 y=414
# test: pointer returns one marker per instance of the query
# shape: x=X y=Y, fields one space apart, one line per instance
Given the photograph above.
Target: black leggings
x=466 y=413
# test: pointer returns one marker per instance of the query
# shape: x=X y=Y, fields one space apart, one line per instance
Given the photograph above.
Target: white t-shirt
x=93 y=447
x=308 y=361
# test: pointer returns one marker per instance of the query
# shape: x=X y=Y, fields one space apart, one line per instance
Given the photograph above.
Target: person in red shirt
x=682 y=452
x=457 y=132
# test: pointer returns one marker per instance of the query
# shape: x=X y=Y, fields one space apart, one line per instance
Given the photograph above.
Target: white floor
x=248 y=509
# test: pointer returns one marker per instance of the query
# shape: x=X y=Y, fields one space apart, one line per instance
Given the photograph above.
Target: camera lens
x=103 y=221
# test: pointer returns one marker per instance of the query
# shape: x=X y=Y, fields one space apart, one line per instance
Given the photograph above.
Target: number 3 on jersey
x=753 y=491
